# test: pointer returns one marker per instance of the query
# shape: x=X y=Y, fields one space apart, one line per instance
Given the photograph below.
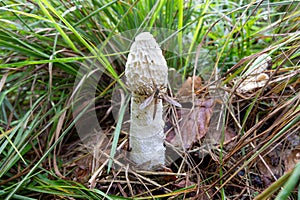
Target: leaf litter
x=200 y=132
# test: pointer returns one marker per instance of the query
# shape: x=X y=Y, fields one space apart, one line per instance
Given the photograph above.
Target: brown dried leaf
x=214 y=133
x=194 y=123
x=83 y=169
x=291 y=158
x=184 y=183
x=167 y=178
x=230 y=135
x=272 y=165
x=186 y=89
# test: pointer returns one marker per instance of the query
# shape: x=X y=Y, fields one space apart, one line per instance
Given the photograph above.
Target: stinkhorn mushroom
x=146 y=72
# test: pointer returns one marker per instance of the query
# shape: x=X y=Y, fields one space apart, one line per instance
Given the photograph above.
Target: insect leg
x=155 y=107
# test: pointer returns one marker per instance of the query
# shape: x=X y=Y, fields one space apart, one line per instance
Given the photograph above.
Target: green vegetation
x=48 y=46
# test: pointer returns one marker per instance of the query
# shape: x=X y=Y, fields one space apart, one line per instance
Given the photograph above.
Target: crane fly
x=155 y=96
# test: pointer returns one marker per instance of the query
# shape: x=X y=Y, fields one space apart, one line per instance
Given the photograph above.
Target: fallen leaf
x=230 y=136
x=292 y=158
x=260 y=64
x=194 y=124
x=252 y=83
x=185 y=92
x=195 y=116
x=254 y=77
x=184 y=183
x=272 y=165
x=167 y=177
x=214 y=132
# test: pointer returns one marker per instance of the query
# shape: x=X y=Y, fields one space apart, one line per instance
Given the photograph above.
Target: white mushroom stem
x=147 y=134
x=146 y=72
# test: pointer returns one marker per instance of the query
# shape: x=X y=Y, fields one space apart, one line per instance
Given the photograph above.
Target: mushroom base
x=146 y=138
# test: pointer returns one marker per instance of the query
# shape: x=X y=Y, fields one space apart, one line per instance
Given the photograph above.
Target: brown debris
x=185 y=92
x=194 y=123
x=194 y=118
x=291 y=159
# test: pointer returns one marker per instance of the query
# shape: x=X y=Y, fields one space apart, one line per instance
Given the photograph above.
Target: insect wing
x=171 y=101
x=147 y=102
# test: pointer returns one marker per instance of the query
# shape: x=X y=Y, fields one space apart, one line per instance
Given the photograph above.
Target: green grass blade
x=59 y=29
x=117 y=132
x=290 y=184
